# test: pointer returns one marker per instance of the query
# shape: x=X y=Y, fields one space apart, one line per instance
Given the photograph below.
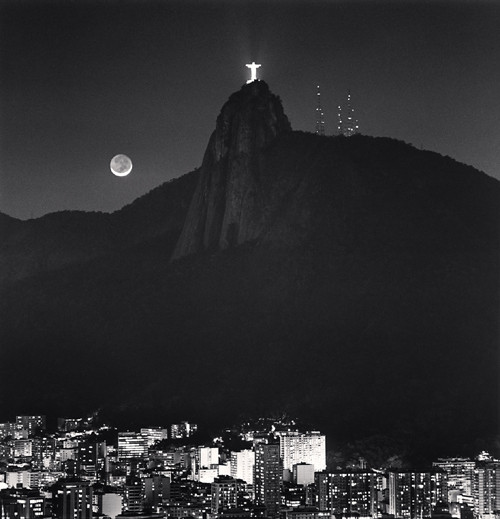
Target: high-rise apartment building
x=268 y=477
x=43 y=452
x=224 y=492
x=297 y=447
x=322 y=481
x=131 y=445
x=343 y=492
x=242 y=465
x=460 y=476
x=72 y=500
x=133 y=502
x=32 y=423
x=486 y=489
x=92 y=459
x=413 y=495
x=156 y=491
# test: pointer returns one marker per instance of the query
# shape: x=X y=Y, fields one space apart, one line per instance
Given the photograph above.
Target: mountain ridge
x=366 y=299
x=59 y=239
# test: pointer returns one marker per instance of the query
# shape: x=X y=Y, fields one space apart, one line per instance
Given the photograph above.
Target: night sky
x=81 y=81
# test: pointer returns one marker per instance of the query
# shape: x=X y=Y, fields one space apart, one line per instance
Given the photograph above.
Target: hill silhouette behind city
x=351 y=281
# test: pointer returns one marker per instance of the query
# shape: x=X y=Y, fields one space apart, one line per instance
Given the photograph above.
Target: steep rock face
x=227 y=206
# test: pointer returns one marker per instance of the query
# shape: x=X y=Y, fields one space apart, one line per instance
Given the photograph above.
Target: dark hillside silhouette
x=352 y=281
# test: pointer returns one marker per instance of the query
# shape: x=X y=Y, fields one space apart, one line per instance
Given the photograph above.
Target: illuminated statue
x=253 y=68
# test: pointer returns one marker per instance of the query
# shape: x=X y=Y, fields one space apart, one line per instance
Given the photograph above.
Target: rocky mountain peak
x=226 y=208
x=250 y=119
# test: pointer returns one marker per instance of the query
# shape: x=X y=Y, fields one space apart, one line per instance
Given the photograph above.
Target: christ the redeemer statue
x=253 y=69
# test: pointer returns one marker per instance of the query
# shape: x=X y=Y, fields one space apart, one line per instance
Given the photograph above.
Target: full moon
x=120 y=165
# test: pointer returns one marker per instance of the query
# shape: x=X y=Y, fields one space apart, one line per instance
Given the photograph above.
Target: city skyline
x=89 y=470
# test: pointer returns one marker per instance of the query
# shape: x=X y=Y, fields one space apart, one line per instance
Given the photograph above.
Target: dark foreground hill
x=60 y=239
x=352 y=281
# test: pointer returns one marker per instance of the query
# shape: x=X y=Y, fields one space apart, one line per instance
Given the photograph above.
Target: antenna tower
x=320 y=117
x=348 y=124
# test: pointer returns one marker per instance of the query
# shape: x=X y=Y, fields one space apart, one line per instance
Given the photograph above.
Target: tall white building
x=207 y=457
x=242 y=465
x=205 y=464
x=297 y=447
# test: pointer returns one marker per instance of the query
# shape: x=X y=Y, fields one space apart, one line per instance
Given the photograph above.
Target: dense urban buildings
x=81 y=471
